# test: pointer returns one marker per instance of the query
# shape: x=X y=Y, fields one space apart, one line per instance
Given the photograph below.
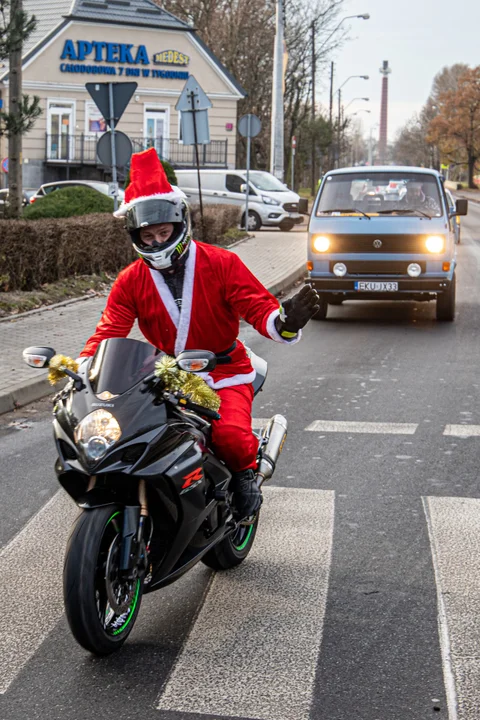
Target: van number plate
x=363 y=286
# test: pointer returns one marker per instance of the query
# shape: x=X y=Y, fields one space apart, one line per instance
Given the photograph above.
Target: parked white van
x=270 y=202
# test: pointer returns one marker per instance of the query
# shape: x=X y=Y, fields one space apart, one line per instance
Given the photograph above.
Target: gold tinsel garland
x=57 y=365
x=194 y=387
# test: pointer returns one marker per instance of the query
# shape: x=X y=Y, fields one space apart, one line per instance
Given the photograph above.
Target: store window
x=94 y=121
x=60 y=135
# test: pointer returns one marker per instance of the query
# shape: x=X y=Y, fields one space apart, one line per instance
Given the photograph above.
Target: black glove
x=297 y=311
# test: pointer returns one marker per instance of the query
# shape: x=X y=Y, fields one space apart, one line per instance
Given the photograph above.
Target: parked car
x=270 y=202
x=47 y=188
x=27 y=194
x=369 y=249
x=455 y=219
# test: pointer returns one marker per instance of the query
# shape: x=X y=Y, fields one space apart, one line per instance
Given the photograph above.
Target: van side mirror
x=461 y=207
x=303 y=206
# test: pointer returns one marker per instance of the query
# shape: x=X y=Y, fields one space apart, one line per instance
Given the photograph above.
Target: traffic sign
x=249 y=126
x=122 y=93
x=123 y=148
x=199 y=101
x=294 y=142
x=5 y=165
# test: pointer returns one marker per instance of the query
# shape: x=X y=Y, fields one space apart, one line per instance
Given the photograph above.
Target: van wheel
x=446 y=303
x=286 y=225
x=322 y=313
x=254 y=221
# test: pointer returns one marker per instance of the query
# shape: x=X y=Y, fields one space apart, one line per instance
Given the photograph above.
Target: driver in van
x=416 y=199
x=190 y=295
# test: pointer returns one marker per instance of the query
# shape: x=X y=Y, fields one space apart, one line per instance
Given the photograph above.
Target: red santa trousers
x=232 y=438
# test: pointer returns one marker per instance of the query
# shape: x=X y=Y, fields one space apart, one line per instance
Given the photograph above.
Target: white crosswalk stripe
x=462 y=431
x=263 y=621
x=375 y=428
x=454 y=530
x=31 y=572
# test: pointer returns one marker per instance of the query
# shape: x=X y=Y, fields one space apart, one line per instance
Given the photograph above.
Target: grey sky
x=418 y=38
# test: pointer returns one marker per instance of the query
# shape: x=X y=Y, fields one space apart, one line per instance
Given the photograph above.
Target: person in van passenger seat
x=416 y=199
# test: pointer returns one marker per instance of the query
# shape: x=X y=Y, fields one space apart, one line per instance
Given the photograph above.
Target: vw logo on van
x=377 y=244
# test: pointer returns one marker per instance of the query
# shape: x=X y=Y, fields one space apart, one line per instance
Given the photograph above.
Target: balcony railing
x=82 y=150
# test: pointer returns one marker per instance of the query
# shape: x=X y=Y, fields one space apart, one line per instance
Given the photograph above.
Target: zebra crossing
x=267 y=616
x=463 y=430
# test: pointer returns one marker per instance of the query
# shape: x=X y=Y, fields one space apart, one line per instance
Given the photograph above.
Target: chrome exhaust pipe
x=273 y=440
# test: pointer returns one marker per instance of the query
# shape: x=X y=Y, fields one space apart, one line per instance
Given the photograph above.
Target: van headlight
x=269 y=201
x=96 y=433
x=435 y=243
x=320 y=243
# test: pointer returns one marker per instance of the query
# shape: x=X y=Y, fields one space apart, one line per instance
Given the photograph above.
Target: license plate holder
x=372 y=286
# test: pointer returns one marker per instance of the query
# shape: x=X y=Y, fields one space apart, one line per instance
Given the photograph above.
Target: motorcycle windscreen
x=120 y=363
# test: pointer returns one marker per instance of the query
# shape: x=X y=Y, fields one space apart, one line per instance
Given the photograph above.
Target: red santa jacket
x=218 y=290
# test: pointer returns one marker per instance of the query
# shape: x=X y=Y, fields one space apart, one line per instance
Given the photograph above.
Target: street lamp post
x=339 y=91
x=354 y=99
x=362 y=16
x=370 y=144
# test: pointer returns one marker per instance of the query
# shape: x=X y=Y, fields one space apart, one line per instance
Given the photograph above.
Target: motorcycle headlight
x=269 y=201
x=96 y=433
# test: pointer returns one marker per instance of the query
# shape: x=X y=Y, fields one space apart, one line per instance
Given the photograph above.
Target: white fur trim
x=176 y=194
x=275 y=335
x=187 y=300
x=244 y=379
x=166 y=296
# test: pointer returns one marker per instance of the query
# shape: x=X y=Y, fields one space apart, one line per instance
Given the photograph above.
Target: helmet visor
x=153 y=212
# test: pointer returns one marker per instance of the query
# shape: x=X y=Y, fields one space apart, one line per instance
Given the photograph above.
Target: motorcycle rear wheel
x=90 y=564
x=233 y=550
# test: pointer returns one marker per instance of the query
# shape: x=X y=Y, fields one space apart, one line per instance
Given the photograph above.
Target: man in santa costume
x=188 y=295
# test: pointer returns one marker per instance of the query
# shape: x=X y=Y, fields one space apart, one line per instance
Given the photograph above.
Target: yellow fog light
x=435 y=243
x=321 y=243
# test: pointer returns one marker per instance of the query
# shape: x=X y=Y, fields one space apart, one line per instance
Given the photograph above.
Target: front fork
x=133 y=545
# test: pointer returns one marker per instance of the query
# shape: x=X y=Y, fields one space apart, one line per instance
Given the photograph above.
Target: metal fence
x=81 y=150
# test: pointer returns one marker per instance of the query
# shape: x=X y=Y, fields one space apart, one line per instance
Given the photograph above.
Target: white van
x=270 y=202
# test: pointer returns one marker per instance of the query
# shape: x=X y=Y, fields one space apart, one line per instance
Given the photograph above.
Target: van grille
x=390 y=244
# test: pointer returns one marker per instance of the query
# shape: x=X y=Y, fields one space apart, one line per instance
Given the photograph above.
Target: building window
x=61 y=124
x=94 y=121
x=157 y=130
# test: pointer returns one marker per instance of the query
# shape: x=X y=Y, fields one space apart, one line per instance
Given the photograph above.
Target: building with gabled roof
x=80 y=41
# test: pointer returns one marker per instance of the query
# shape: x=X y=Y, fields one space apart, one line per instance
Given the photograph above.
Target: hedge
x=69 y=202
x=34 y=252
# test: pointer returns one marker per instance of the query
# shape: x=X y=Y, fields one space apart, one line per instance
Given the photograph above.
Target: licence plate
x=363 y=286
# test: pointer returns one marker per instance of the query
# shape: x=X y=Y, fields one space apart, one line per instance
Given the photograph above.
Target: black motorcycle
x=155 y=500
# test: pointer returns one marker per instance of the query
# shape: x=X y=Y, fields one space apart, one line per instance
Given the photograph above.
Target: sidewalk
x=276 y=258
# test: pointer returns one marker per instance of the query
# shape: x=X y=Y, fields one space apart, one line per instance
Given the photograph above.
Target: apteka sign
x=125 y=59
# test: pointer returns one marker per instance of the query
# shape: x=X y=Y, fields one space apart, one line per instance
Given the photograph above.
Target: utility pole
x=330 y=117
x=313 y=183
x=276 y=143
x=14 y=107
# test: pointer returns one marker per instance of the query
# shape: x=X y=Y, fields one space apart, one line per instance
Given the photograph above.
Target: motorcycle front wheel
x=233 y=549
x=101 y=607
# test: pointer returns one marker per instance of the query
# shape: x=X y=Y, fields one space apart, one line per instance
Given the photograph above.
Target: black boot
x=247 y=495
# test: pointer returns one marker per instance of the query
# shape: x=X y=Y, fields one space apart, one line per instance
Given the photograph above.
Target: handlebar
x=199 y=409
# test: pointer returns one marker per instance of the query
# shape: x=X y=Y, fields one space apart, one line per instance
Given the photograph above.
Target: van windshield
x=385 y=193
x=265 y=181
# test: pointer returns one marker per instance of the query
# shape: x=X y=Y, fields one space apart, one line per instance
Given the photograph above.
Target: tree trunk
x=471 y=171
x=15 y=193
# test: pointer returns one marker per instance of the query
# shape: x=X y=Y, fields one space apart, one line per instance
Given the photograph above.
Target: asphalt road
x=360 y=599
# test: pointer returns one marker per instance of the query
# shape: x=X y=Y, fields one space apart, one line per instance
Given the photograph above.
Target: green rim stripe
x=245 y=542
x=114 y=515
x=132 y=611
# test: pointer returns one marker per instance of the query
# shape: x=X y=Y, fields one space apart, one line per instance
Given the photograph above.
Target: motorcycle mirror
x=38 y=357
x=197 y=361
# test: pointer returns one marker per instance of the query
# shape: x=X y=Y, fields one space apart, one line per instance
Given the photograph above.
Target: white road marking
x=455 y=539
x=462 y=431
x=253 y=648
x=362 y=427
x=31 y=566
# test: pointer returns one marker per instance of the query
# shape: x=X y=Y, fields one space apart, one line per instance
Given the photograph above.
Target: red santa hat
x=147 y=180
